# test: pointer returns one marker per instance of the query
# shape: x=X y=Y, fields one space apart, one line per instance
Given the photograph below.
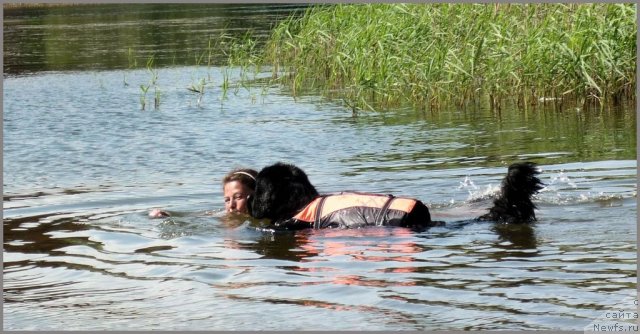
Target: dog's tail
x=514 y=203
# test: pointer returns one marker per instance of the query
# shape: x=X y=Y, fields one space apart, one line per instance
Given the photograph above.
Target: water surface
x=83 y=165
x=107 y=36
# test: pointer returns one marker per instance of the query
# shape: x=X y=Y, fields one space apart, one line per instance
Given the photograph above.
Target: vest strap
x=383 y=212
x=316 y=221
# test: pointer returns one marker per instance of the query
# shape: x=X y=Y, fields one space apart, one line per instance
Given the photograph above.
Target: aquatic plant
x=198 y=89
x=156 y=100
x=239 y=51
x=152 y=71
x=379 y=55
x=144 y=88
x=225 y=83
x=244 y=53
x=132 y=64
x=143 y=95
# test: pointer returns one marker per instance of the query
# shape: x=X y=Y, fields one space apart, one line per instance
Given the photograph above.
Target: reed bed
x=376 y=56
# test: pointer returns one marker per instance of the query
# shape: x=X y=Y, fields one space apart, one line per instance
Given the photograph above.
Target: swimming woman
x=237 y=186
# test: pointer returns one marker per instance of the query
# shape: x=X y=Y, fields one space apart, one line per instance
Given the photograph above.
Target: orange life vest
x=352 y=210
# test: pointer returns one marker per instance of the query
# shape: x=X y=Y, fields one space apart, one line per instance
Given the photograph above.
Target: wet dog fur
x=282 y=190
x=514 y=204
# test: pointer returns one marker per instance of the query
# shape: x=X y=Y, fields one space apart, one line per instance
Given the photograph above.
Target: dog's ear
x=264 y=198
x=260 y=202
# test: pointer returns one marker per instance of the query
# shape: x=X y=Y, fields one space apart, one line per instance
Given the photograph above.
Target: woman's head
x=237 y=186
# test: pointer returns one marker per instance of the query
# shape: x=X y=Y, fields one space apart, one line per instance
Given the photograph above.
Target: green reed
x=153 y=82
x=198 y=88
x=143 y=95
x=240 y=52
x=376 y=56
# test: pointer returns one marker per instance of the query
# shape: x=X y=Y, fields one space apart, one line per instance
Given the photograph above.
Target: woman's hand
x=157 y=213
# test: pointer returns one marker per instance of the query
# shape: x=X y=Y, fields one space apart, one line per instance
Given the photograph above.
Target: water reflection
x=120 y=36
x=516 y=236
x=463 y=268
x=37 y=234
x=480 y=138
x=78 y=245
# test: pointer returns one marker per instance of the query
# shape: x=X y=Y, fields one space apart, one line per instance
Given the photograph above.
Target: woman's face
x=235 y=197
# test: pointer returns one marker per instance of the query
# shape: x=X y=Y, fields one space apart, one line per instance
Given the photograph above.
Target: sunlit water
x=83 y=165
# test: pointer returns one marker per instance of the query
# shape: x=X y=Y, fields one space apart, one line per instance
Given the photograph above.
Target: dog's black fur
x=282 y=190
x=514 y=204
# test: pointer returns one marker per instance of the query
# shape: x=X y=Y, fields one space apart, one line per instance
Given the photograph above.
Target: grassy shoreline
x=377 y=56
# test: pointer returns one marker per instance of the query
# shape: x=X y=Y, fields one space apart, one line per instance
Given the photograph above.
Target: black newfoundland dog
x=284 y=195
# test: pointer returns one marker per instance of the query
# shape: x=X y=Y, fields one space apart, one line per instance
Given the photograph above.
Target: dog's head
x=281 y=191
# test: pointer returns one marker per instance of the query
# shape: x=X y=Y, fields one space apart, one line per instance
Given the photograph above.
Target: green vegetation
x=376 y=56
x=238 y=51
x=198 y=89
x=152 y=83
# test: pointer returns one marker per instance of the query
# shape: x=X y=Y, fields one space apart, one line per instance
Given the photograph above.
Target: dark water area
x=116 y=36
x=83 y=165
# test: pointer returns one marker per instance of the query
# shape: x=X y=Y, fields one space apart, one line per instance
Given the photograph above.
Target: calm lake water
x=83 y=165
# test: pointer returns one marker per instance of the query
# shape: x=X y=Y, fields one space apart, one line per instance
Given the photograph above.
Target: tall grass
x=379 y=55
